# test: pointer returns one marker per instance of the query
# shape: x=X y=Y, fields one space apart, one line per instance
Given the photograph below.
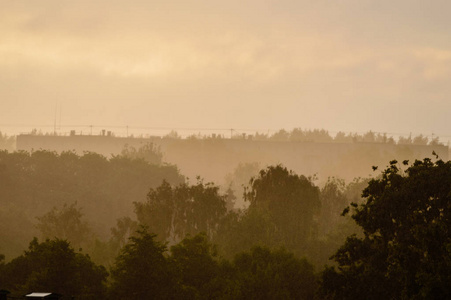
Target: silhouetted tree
x=141 y=270
x=265 y=274
x=290 y=201
x=54 y=266
x=196 y=268
x=405 y=252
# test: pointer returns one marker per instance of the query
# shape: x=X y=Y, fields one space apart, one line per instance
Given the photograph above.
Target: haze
x=340 y=65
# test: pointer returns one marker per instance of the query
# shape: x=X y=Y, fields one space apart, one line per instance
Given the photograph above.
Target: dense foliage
x=290 y=201
x=41 y=183
x=399 y=247
x=174 y=212
x=278 y=274
x=54 y=266
x=406 y=249
x=141 y=270
x=192 y=270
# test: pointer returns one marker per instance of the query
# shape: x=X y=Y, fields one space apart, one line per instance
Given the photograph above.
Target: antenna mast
x=54 y=120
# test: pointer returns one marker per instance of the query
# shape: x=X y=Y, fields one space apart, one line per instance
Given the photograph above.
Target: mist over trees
x=188 y=240
x=67 y=224
x=238 y=180
x=175 y=212
x=7 y=142
x=319 y=135
x=289 y=201
x=215 y=157
x=48 y=193
x=148 y=152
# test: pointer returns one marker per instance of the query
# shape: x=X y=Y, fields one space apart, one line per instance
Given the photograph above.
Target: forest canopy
x=41 y=185
x=188 y=240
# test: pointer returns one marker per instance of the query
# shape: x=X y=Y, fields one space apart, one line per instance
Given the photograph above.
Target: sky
x=343 y=65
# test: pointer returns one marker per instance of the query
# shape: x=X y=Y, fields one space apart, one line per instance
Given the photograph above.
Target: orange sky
x=350 y=65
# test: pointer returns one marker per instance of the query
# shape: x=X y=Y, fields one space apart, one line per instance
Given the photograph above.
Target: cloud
x=242 y=62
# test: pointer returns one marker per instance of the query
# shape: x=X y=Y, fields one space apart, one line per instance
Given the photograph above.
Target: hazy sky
x=350 y=65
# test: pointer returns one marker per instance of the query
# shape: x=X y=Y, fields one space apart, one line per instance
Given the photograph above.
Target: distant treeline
x=321 y=135
x=295 y=135
x=7 y=142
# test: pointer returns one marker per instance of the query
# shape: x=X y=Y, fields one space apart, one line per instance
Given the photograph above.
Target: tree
x=420 y=140
x=239 y=178
x=141 y=270
x=54 y=266
x=196 y=267
x=241 y=230
x=230 y=198
x=124 y=229
x=148 y=152
x=281 y=135
x=291 y=201
x=32 y=184
x=406 y=249
x=174 y=212
x=282 y=212
x=333 y=201
x=7 y=143
x=265 y=274
x=66 y=224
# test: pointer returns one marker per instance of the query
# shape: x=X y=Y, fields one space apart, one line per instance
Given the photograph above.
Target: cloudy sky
x=343 y=65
